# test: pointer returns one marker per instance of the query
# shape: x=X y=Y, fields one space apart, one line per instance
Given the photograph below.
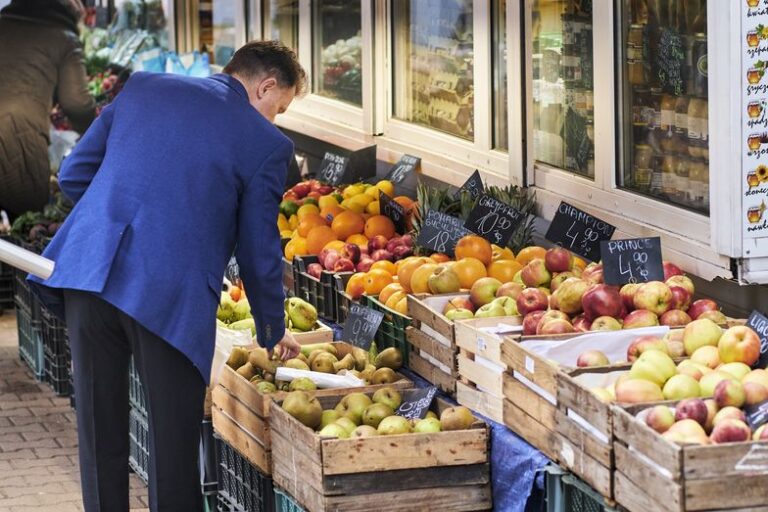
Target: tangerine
x=376 y=280
x=420 y=276
x=330 y=212
x=348 y=223
x=527 y=254
x=502 y=253
x=309 y=221
x=439 y=257
x=385 y=265
x=359 y=240
x=504 y=270
x=336 y=245
x=356 y=286
x=407 y=269
x=474 y=246
x=393 y=299
x=318 y=238
x=469 y=270
x=379 y=225
x=388 y=291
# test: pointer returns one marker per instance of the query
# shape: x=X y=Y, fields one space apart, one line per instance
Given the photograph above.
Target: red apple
x=640 y=318
x=627 y=293
x=556 y=326
x=393 y=242
x=301 y=189
x=593 y=273
x=382 y=254
x=351 y=252
x=700 y=306
x=552 y=314
x=365 y=263
x=344 y=265
x=755 y=393
x=729 y=392
x=692 y=408
x=683 y=282
x=330 y=259
x=581 y=324
x=558 y=259
x=670 y=269
x=407 y=240
x=654 y=296
x=402 y=251
x=510 y=289
x=532 y=299
x=675 y=318
x=376 y=243
x=483 y=291
x=681 y=299
x=643 y=343
x=602 y=300
x=731 y=431
x=729 y=412
x=592 y=358
x=459 y=303
x=739 y=344
x=315 y=269
x=535 y=274
x=530 y=321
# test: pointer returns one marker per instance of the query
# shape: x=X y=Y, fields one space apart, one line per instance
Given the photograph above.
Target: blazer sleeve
x=80 y=166
x=258 y=246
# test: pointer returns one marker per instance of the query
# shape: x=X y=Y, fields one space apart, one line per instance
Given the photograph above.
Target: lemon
x=307 y=208
x=296 y=247
x=282 y=223
x=356 y=207
x=354 y=190
x=327 y=201
x=373 y=208
x=387 y=187
x=373 y=192
x=285 y=233
x=293 y=221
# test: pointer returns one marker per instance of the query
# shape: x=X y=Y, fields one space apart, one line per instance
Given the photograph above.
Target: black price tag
x=474 y=185
x=393 y=210
x=441 y=232
x=361 y=325
x=757 y=415
x=403 y=168
x=332 y=168
x=578 y=231
x=493 y=220
x=759 y=323
x=637 y=260
x=416 y=403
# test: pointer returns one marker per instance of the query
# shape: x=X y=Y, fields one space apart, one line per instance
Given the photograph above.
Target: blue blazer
x=172 y=177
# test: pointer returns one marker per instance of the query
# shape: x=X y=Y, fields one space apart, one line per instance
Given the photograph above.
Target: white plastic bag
x=226 y=340
x=322 y=380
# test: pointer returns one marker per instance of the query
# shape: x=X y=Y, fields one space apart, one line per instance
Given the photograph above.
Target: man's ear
x=266 y=85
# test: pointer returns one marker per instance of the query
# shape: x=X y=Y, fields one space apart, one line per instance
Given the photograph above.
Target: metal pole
x=25 y=260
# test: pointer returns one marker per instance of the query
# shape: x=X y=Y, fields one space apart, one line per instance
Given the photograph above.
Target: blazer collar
x=232 y=83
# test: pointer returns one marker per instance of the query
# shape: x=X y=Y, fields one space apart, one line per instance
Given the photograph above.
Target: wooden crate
x=427 y=310
x=655 y=474
x=440 y=471
x=432 y=360
x=241 y=413
x=480 y=385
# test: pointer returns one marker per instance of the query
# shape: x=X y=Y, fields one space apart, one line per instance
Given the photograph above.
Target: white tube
x=25 y=260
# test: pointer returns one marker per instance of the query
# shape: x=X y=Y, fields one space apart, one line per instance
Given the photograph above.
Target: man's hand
x=287 y=348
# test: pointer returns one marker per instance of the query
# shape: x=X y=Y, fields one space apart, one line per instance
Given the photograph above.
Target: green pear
x=296 y=364
x=384 y=376
x=328 y=416
x=353 y=405
x=246 y=371
x=323 y=363
x=346 y=363
x=388 y=396
x=393 y=425
x=304 y=408
x=242 y=325
x=389 y=358
x=374 y=413
x=364 y=431
x=237 y=358
x=427 y=425
x=456 y=418
x=242 y=310
x=302 y=383
x=266 y=387
x=334 y=430
x=302 y=314
x=347 y=423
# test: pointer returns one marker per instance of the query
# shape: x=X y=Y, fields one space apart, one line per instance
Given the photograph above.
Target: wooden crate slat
x=424 y=342
x=530 y=365
x=643 y=476
x=238 y=386
x=471 y=338
x=301 y=436
x=635 y=499
x=488 y=405
x=422 y=312
x=524 y=398
x=433 y=374
x=482 y=377
x=463 y=498
x=593 y=472
x=390 y=481
x=294 y=468
x=571 y=395
x=243 y=442
x=582 y=440
x=724 y=460
x=727 y=493
x=630 y=432
x=240 y=414
x=538 y=435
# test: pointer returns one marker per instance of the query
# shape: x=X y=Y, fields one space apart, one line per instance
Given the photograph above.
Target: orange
x=360 y=240
x=379 y=225
x=330 y=212
x=504 y=270
x=355 y=286
x=318 y=238
x=469 y=270
x=388 y=291
x=402 y=306
x=527 y=254
x=473 y=246
x=407 y=269
x=309 y=221
x=393 y=299
x=420 y=276
x=439 y=257
x=400 y=263
x=502 y=253
x=296 y=247
x=376 y=280
x=348 y=223
x=385 y=265
x=336 y=245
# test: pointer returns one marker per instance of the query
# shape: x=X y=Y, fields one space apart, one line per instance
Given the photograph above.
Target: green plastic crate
x=31 y=342
x=567 y=493
x=284 y=502
x=391 y=332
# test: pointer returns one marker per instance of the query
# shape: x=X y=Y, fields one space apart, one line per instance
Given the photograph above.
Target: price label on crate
x=416 y=403
x=441 y=232
x=493 y=220
x=637 y=260
x=332 y=168
x=403 y=168
x=393 y=210
x=759 y=323
x=578 y=231
x=474 y=185
x=757 y=415
x=361 y=325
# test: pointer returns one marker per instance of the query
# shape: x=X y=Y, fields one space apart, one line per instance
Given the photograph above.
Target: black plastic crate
x=56 y=351
x=341 y=301
x=391 y=332
x=138 y=457
x=209 y=474
x=288 y=281
x=567 y=493
x=136 y=390
x=309 y=288
x=243 y=487
x=22 y=294
x=30 y=342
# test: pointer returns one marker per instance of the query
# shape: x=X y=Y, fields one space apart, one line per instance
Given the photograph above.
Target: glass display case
x=281 y=21
x=433 y=64
x=665 y=121
x=337 y=50
x=500 y=118
x=563 y=94
x=218 y=29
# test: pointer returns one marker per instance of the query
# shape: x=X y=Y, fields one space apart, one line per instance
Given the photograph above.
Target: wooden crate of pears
x=396 y=465
x=241 y=399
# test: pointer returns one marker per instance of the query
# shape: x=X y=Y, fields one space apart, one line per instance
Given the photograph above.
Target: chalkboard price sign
x=332 y=168
x=759 y=323
x=474 y=185
x=493 y=220
x=393 y=210
x=361 y=325
x=441 y=232
x=416 y=403
x=757 y=415
x=403 y=168
x=578 y=231
x=637 y=260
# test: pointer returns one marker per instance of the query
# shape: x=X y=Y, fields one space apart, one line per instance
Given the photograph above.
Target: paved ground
x=38 y=443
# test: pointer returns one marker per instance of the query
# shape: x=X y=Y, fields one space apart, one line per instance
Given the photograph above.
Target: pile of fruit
x=363 y=415
x=234 y=312
x=315 y=217
x=257 y=367
x=719 y=366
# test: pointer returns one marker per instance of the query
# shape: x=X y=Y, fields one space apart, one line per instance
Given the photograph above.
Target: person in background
x=40 y=60
x=172 y=178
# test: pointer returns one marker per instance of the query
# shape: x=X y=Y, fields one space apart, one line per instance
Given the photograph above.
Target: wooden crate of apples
x=352 y=452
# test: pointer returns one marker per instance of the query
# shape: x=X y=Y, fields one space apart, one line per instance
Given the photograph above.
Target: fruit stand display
x=376 y=457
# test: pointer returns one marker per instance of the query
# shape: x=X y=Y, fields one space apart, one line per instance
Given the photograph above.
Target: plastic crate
x=284 y=502
x=208 y=466
x=56 y=351
x=567 y=493
x=391 y=332
x=243 y=487
x=288 y=281
x=341 y=301
x=22 y=294
x=138 y=430
x=30 y=342
x=309 y=288
x=136 y=390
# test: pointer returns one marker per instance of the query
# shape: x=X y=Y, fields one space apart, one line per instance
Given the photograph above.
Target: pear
x=242 y=325
x=302 y=357
x=388 y=396
x=393 y=425
x=328 y=416
x=304 y=408
x=259 y=359
x=456 y=418
x=323 y=363
x=296 y=364
x=303 y=383
x=361 y=358
x=384 y=376
x=246 y=371
x=364 y=431
x=242 y=310
x=237 y=358
x=307 y=350
x=334 y=430
x=374 y=413
x=266 y=387
x=346 y=363
x=347 y=423
x=389 y=358
x=427 y=425
x=431 y=414
x=302 y=314
x=225 y=311
x=353 y=405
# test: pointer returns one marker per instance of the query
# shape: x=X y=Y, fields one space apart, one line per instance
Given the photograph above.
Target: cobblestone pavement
x=38 y=442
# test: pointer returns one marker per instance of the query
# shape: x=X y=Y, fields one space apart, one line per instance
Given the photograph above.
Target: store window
x=563 y=98
x=338 y=50
x=665 y=105
x=218 y=32
x=434 y=64
x=500 y=133
x=282 y=19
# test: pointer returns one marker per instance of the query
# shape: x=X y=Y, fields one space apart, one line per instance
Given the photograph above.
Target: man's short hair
x=261 y=59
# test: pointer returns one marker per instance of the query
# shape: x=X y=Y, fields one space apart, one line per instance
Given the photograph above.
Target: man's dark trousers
x=103 y=339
